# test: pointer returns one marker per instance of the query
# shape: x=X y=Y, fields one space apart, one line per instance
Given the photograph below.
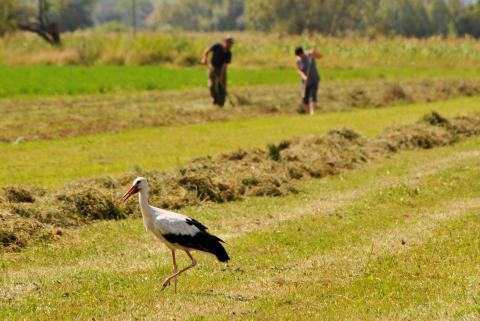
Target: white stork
x=177 y=231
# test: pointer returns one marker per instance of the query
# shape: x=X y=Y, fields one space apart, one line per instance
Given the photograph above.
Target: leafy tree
x=41 y=21
x=46 y=18
x=411 y=18
x=292 y=16
x=440 y=17
x=75 y=14
x=408 y=18
x=468 y=22
x=7 y=17
x=295 y=16
x=121 y=11
x=207 y=15
x=229 y=15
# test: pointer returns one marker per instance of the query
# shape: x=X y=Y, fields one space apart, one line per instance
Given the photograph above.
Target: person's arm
x=203 y=61
x=315 y=54
x=300 y=72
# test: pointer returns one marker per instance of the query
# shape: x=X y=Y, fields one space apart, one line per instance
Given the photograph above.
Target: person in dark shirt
x=307 y=70
x=217 y=76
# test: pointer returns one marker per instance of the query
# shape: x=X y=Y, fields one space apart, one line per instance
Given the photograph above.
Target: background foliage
x=411 y=18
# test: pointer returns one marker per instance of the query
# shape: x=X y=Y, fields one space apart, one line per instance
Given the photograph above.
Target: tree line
x=411 y=18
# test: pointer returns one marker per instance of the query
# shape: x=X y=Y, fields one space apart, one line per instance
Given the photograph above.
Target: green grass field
x=34 y=81
x=392 y=239
x=396 y=240
x=163 y=148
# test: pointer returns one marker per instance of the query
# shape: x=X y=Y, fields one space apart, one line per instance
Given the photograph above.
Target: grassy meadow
x=392 y=239
x=252 y=50
x=395 y=240
x=162 y=148
x=42 y=80
x=150 y=61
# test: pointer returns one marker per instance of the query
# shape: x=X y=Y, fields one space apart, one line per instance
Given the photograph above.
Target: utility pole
x=134 y=17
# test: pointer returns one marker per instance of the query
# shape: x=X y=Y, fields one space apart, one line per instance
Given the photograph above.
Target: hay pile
x=111 y=113
x=342 y=96
x=389 y=93
x=27 y=214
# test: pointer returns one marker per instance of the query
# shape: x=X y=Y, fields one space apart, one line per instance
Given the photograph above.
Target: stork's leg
x=174 y=275
x=174 y=270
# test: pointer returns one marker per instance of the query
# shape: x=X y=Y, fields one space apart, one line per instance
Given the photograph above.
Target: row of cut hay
x=27 y=213
x=341 y=96
x=95 y=114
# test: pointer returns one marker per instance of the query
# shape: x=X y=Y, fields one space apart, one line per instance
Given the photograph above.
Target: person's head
x=229 y=42
x=299 y=52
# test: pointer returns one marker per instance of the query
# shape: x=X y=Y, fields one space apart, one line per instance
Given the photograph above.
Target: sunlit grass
x=403 y=245
x=392 y=240
x=268 y=51
x=33 y=81
x=258 y=59
x=52 y=163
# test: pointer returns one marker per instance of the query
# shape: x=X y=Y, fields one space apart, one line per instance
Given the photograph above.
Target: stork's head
x=139 y=184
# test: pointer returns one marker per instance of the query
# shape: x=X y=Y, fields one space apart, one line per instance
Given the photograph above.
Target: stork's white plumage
x=177 y=231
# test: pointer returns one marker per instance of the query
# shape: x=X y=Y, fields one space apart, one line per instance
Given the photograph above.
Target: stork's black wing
x=202 y=241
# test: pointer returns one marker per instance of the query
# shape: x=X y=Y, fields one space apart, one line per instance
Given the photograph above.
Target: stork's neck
x=148 y=213
x=143 y=200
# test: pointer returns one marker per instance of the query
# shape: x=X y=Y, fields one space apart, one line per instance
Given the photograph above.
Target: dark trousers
x=218 y=86
x=310 y=93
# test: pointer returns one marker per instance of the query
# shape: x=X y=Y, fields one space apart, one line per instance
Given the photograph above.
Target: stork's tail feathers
x=215 y=247
x=221 y=253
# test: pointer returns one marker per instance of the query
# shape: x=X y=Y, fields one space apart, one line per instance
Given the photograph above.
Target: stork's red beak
x=134 y=189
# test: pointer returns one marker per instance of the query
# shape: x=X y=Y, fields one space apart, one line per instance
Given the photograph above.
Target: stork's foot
x=166 y=283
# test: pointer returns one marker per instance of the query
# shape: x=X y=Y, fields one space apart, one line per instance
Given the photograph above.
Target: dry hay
x=342 y=96
x=337 y=97
x=34 y=213
x=18 y=195
x=108 y=113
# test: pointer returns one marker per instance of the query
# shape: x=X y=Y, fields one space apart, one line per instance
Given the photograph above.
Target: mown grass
x=55 y=117
x=34 y=81
x=162 y=148
x=397 y=240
